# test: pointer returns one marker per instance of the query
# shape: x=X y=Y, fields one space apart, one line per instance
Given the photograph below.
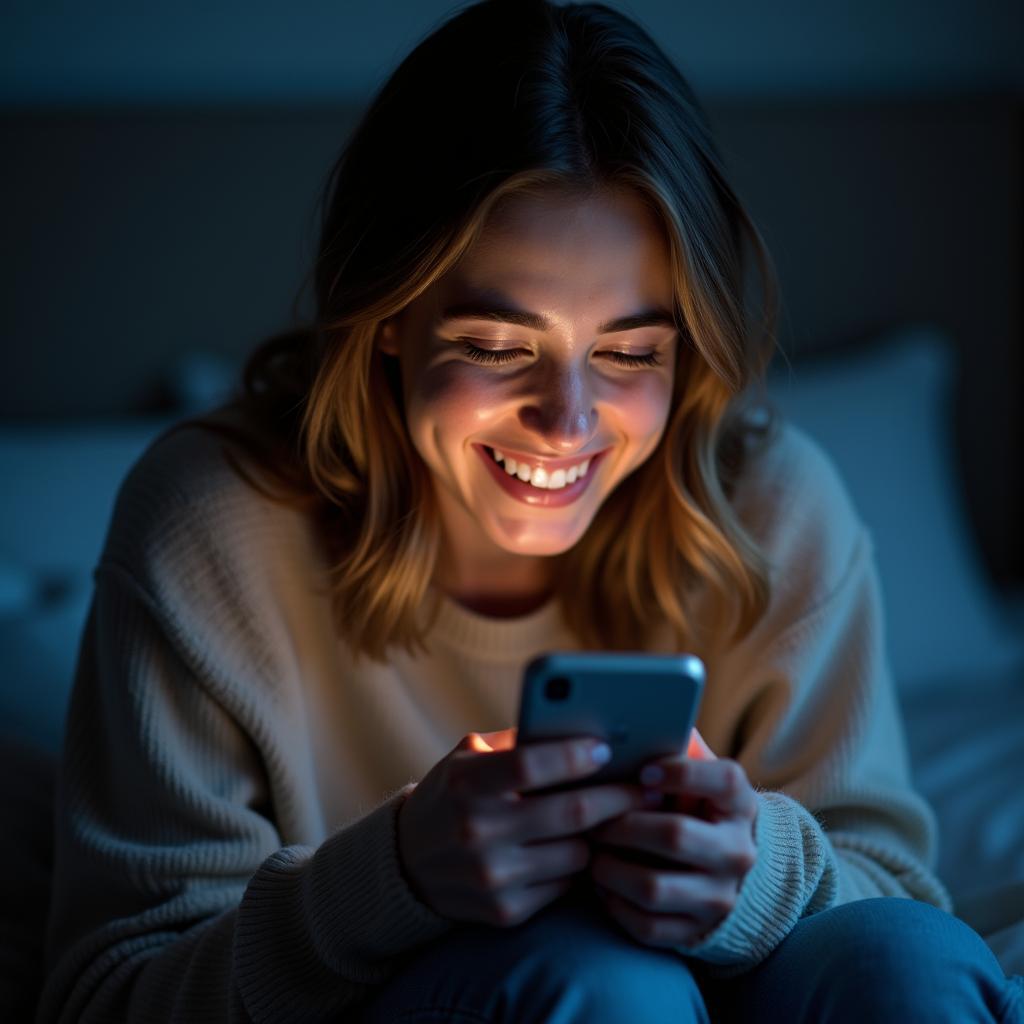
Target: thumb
x=487 y=742
x=697 y=748
x=500 y=739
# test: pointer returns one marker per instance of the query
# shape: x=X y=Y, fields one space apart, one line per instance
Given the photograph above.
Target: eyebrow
x=476 y=310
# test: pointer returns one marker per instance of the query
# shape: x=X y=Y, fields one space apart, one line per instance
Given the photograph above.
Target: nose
x=562 y=412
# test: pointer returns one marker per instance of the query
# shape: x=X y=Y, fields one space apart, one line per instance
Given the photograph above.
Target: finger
x=501 y=739
x=719 y=848
x=694 y=806
x=650 y=929
x=722 y=782
x=705 y=899
x=503 y=907
x=514 y=866
x=514 y=906
x=698 y=748
x=546 y=816
x=544 y=862
x=503 y=865
x=530 y=766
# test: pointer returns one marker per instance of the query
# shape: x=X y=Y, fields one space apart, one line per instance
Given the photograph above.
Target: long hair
x=507 y=96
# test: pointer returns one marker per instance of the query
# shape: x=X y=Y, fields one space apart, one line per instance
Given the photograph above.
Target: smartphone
x=643 y=705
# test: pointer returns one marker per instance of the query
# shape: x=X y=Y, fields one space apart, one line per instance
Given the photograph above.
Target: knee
x=567 y=964
x=571 y=965
x=901 y=953
x=898 y=934
x=611 y=978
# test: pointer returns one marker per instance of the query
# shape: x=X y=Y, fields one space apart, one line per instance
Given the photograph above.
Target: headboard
x=136 y=236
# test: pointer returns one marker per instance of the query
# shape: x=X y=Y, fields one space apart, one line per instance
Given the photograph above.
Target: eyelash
x=495 y=356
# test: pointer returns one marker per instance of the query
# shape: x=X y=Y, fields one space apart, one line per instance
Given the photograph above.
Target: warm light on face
x=553 y=343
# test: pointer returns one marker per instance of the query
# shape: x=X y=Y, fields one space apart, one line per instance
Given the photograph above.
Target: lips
x=538 y=498
x=550 y=465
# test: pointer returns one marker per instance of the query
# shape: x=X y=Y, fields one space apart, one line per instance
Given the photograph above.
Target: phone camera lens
x=556 y=688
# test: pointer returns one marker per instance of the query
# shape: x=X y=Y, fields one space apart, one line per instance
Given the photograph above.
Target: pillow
x=883 y=413
x=967 y=760
x=60 y=482
x=200 y=380
x=39 y=649
x=17 y=590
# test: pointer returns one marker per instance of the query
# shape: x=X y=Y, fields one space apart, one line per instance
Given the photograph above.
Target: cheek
x=450 y=401
x=643 y=407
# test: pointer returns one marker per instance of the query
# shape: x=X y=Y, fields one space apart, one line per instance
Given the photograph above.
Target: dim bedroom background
x=148 y=250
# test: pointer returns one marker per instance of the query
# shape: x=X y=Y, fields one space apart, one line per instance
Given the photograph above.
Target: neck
x=501 y=606
x=509 y=586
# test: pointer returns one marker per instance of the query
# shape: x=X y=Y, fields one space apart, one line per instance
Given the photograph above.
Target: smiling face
x=552 y=344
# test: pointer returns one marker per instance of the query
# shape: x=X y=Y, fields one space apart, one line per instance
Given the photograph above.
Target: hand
x=477 y=845
x=692 y=882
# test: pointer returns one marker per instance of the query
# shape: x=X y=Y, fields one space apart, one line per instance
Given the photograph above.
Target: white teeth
x=539 y=477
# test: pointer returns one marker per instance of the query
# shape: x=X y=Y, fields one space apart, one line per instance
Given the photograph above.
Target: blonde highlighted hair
x=511 y=96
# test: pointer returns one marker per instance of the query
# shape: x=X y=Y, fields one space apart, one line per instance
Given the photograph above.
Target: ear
x=387 y=338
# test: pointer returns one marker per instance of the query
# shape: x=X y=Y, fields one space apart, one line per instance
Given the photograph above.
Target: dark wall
x=162 y=165
x=272 y=51
x=135 y=239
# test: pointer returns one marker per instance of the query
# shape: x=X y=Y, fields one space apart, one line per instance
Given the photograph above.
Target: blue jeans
x=873 y=960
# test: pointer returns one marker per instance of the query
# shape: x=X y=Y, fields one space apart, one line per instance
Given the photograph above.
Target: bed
x=903 y=362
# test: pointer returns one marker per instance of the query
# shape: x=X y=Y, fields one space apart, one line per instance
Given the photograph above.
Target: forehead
x=607 y=249
x=605 y=229
x=551 y=216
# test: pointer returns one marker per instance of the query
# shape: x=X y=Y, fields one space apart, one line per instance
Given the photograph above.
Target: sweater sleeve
x=822 y=742
x=173 y=896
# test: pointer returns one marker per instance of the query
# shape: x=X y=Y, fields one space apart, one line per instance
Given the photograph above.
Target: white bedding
x=884 y=414
x=958 y=663
x=966 y=740
x=1008 y=943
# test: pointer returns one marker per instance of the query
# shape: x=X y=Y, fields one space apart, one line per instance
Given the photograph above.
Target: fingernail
x=601 y=753
x=652 y=775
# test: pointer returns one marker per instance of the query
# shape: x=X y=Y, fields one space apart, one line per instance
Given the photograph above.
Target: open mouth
x=538 y=476
x=538 y=485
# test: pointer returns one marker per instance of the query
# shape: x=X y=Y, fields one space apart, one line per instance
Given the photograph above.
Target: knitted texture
x=226 y=815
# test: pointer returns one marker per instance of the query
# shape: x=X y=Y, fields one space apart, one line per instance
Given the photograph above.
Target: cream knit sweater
x=225 y=841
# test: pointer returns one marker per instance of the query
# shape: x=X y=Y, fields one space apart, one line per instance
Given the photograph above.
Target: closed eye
x=507 y=355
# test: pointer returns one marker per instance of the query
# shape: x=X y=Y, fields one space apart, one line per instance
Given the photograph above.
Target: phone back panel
x=643 y=705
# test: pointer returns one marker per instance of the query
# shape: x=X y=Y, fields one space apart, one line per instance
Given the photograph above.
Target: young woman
x=521 y=421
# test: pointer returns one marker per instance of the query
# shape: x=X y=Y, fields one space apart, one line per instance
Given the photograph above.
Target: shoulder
x=210 y=586
x=182 y=484
x=186 y=519
x=794 y=504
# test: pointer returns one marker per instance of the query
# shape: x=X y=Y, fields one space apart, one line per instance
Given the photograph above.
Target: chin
x=530 y=542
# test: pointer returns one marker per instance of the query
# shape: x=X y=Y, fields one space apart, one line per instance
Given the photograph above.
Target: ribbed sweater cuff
x=794 y=874
x=315 y=927
x=360 y=899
